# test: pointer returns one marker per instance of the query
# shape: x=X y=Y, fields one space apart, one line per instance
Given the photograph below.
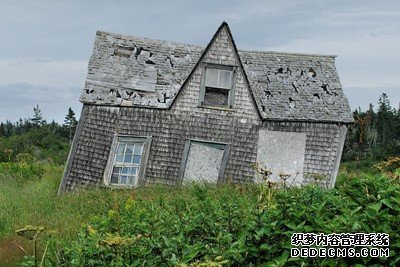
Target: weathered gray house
x=160 y=111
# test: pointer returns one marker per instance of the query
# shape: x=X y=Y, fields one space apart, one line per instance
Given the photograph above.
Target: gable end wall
x=221 y=51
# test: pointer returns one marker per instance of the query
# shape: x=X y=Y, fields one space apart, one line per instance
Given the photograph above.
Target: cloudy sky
x=45 y=44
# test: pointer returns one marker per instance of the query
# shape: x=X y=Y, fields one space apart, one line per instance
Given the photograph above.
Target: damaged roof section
x=296 y=86
x=132 y=71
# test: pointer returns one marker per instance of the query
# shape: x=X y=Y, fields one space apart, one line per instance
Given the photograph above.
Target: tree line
x=375 y=134
x=49 y=141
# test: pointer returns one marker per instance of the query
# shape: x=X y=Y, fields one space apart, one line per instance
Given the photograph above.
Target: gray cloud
x=47 y=43
x=372 y=94
x=17 y=101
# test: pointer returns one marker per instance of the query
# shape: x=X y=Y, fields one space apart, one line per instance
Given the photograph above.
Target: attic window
x=127 y=161
x=217 y=89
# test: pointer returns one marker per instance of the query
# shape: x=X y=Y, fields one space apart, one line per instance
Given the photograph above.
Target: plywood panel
x=203 y=163
x=282 y=152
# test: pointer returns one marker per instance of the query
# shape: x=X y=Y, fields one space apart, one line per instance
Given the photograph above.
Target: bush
x=236 y=225
x=21 y=171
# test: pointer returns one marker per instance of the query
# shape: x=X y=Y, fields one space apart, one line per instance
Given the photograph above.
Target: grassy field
x=225 y=225
x=27 y=201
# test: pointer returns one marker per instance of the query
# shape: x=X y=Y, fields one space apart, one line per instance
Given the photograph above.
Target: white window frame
x=231 y=93
x=111 y=163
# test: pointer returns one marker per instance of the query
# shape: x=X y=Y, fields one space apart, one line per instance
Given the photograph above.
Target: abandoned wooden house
x=159 y=111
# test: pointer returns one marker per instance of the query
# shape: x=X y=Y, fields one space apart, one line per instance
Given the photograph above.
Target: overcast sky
x=45 y=44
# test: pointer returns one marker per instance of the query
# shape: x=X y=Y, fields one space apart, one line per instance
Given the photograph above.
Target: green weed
x=199 y=225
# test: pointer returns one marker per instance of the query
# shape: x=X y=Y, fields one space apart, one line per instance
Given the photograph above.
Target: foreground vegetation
x=28 y=199
x=164 y=226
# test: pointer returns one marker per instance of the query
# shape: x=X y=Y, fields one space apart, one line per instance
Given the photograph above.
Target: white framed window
x=127 y=161
x=217 y=89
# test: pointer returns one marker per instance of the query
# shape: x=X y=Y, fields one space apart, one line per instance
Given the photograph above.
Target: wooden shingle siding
x=169 y=133
x=170 y=130
x=89 y=159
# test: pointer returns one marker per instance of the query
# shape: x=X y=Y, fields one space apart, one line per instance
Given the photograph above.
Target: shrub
x=21 y=170
x=241 y=225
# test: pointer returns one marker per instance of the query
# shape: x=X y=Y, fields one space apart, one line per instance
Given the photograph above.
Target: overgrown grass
x=221 y=225
x=27 y=201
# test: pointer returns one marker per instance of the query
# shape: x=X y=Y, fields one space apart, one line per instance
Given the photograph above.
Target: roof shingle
x=132 y=71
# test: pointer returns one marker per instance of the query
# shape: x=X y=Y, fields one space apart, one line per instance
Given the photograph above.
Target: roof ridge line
x=146 y=38
x=201 y=46
x=287 y=53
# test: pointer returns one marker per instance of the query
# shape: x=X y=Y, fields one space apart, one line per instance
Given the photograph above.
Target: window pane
x=124 y=179
x=121 y=148
x=216 y=97
x=116 y=170
x=128 y=159
x=138 y=149
x=114 y=178
x=125 y=170
x=132 y=180
x=136 y=159
x=225 y=79
x=212 y=77
x=119 y=158
x=129 y=149
x=134 y=171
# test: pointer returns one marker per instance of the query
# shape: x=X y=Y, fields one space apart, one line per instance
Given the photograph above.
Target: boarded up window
x=204 y=162
x=282 y=152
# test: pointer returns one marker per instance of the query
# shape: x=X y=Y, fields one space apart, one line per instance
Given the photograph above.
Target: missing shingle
x=311 y=72
x=268 y=94
x=139 y=51
x=280 y=70
x=162 y=98
x=316 y=95
x=170 y=61
x=294 y=84
x=325 y=88
x=151 y=62
x=125 y=52
x=291 y=103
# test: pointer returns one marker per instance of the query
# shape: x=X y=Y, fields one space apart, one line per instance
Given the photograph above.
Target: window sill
x=120 y=187
x=217 y=108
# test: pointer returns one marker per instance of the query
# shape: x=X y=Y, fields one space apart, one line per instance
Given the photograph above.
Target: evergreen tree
x=2 y=129
x=398 y=126
x=385 y=124
x=70 y=123
x=371 y=131
x=37 y=119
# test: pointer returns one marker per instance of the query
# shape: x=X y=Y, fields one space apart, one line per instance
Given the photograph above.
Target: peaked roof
x=133 y=71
